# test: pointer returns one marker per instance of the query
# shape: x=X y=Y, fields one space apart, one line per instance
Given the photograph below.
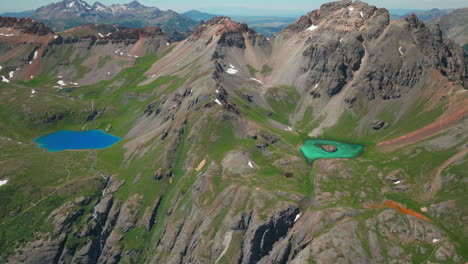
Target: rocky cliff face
x=209 y=171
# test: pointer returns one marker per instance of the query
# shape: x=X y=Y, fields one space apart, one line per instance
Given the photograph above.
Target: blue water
x=68 y=139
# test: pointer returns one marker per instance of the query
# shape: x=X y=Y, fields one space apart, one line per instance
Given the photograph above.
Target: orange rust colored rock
x=442 y=124
x=397 y=206
x=403 y=210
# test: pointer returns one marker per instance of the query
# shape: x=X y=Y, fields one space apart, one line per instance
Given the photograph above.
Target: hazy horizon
x=245 y=7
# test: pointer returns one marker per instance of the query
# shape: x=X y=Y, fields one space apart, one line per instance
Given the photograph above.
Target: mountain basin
x=76 y=140
x=314 y=149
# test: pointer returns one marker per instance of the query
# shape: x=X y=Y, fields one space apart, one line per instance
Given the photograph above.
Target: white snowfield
x=5 y=80
x=253 y=79
x=312 y=28
x=61 y=83
x=361 y=14
x=250 y=164
x=101 y=35
x=297 y=217
x=7 y=35
x=100 y=8
x=218 y=102
x=351 y=8
x=3 y=182
x=400 y=49
x=232 y=69
x=35 y=55
x=11 y=74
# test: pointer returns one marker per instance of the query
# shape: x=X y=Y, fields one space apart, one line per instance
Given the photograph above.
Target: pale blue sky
x=246 y=7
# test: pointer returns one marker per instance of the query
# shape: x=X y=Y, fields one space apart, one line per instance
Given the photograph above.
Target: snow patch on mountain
x=232 y=70
x=312 y=28
x=253 y=79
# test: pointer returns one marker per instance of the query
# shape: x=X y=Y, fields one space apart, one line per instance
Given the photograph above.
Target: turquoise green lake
x=312 y=149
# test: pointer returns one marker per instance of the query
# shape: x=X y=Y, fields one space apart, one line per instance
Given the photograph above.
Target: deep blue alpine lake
x=68 y=139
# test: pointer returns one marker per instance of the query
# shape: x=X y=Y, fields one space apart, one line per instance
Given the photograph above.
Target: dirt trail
x=40 y=200
x=436 y=127
x=67 y=181
x=399 y=208
x=436 y=183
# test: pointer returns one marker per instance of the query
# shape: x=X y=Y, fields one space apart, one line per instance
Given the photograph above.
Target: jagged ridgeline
x=209 y=168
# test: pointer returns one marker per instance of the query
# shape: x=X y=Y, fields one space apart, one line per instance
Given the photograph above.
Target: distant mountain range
x=70 y=13
x=424 y=15
x=198 y=15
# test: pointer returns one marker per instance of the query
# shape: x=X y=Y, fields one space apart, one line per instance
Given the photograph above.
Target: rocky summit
x=211 y=166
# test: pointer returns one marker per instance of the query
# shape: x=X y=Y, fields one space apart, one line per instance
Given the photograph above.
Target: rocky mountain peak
x=134 y=4
x=98 y=6
x=414 y=21
x=340 y=14
x=78 y=5
x=221 y=25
